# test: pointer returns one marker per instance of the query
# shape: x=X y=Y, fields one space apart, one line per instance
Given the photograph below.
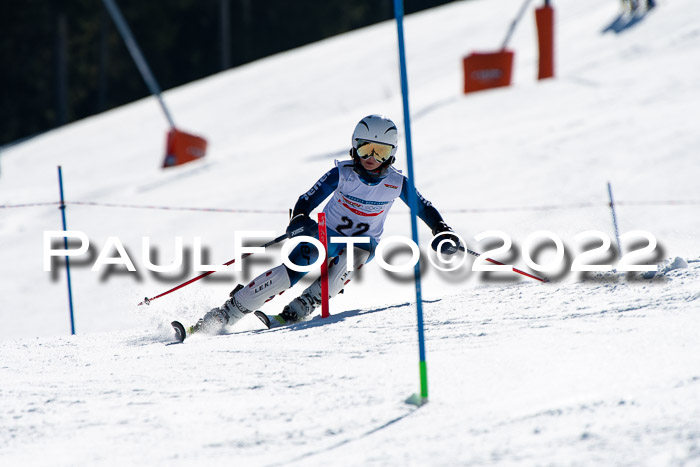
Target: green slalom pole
x=413 y=204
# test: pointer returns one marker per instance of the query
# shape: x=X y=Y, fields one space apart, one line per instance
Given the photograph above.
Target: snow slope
x=602 y=368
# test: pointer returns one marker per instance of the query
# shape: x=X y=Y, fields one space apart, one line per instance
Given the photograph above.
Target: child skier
x=362 y=191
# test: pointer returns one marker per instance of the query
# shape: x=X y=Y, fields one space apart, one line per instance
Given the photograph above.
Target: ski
x=269 y=321
x=180 y=333
x=273 y=321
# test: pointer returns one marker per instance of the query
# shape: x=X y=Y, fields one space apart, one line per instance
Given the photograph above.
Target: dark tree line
x=63 y=60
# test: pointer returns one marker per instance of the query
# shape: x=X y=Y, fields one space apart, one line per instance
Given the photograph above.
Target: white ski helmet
x=378 y=129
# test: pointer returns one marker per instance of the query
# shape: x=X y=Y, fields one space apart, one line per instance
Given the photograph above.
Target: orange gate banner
x=182 y=147
x=487 y=70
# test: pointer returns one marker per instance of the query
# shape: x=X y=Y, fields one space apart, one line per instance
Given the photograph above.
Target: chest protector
x=357 y=209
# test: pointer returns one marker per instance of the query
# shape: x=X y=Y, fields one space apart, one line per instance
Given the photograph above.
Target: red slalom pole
x=323 y=237
x=531 y=276
x=147 y=301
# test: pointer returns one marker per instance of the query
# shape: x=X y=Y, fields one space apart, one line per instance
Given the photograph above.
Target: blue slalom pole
x=413 y=204
x=65 y=247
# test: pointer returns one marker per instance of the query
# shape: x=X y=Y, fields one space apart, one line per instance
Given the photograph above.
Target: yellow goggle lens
x=380 y=151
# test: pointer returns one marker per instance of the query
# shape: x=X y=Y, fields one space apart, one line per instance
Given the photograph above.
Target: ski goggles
x=380 y=151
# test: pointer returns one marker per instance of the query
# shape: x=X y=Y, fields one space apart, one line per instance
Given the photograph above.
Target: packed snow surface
x=589 y=368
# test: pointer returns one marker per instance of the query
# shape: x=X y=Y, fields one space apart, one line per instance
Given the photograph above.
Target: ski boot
x=299 y=308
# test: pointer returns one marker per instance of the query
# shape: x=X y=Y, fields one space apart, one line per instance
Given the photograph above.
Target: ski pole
x=474 y=253
x=148 y=301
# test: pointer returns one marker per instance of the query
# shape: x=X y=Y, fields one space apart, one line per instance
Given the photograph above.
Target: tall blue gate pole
x=65 y=247
x=413 y=203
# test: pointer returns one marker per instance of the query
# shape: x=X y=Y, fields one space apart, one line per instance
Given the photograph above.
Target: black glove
x=301 y=224
x=450 y=241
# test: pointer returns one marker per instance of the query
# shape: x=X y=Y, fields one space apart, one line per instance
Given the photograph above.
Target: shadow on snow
x=337 y=318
